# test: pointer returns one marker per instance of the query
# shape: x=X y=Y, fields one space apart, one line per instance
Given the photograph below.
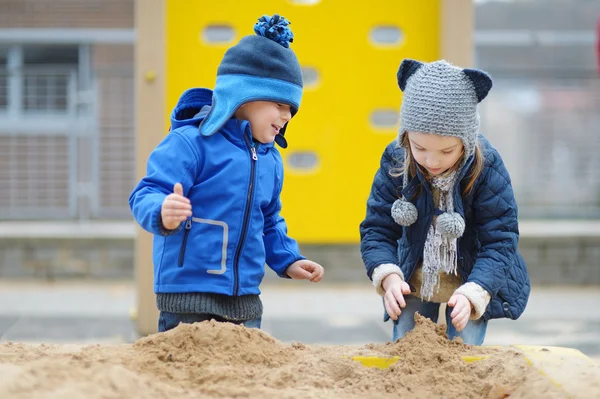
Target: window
x=48 y=72
x=38 y=80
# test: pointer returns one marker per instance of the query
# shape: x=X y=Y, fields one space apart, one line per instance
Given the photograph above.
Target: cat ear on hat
x=406 y=70
x=481 y=81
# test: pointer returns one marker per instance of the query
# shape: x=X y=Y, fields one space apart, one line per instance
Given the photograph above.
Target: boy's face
x=266 y=118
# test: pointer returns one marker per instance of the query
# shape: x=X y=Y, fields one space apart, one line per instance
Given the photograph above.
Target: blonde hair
x=411 y=166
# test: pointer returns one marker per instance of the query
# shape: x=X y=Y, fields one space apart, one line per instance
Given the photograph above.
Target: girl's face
x=266 y=118
x=435 y=153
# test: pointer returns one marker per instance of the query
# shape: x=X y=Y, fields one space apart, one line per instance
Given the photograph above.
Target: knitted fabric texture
x=478 y=297
x=381 y=272
x=234 y=308
x=261 y=67
x=404 y=213
x=439 y=99
x=442 y=99
x=439 y=254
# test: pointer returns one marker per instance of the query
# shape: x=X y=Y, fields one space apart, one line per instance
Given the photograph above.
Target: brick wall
x=66 y=13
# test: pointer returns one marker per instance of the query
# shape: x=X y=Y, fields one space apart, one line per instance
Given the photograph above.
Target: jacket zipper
x=188 y=227
x=236 y=259
x=458 y=257
x=430 y=220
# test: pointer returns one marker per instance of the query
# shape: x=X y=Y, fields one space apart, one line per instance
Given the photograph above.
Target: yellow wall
x=327 y=204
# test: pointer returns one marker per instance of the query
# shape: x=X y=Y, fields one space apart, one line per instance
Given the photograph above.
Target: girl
x=441 y=223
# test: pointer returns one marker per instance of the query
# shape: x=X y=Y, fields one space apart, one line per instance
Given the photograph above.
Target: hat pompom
x=451 y=225
x=404 y=212
x=275 y=28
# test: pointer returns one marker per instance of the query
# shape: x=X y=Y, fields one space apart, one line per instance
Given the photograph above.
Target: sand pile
x=216 y=360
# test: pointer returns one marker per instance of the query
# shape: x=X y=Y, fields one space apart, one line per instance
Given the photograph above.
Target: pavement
x=81 y=312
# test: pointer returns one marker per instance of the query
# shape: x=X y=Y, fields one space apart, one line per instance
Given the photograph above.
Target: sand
x=218 y=360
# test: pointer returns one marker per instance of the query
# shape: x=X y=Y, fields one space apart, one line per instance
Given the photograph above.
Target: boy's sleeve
x=281 y=250
x=379 y=233
x=172 y=161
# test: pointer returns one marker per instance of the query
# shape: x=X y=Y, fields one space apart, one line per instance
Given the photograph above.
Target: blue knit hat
x=260 y=67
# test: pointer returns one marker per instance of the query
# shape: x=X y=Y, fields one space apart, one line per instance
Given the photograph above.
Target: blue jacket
x=234 y=186
x=487 y=251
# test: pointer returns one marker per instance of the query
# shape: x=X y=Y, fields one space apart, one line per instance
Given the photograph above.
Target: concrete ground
x=86 y=312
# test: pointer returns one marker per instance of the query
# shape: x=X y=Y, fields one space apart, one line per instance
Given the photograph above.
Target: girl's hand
x=461 y=312
x=305 y=270
x=175 y=208
x=395 y=289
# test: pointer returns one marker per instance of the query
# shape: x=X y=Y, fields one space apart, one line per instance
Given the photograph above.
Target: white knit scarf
x=439 y=254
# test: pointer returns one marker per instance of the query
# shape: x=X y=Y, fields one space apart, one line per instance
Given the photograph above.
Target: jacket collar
x=200 y=101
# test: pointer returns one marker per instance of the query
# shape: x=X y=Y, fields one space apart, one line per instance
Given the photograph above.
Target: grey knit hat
x=442 y=99
x=439 y=99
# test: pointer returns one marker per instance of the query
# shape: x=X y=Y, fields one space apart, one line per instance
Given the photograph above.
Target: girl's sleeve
x=172 y=161
x=496 y=217
x=379 y=233
x=478 y=297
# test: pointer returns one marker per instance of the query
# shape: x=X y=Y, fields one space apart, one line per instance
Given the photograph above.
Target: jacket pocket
x=204 y=245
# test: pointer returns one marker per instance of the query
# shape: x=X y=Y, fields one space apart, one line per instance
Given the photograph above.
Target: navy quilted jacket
x=487 y=251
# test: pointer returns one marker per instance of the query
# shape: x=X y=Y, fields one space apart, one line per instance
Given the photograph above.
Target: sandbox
x=217 y=360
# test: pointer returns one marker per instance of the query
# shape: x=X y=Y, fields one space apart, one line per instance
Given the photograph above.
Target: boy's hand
x=175 y=208
x=395 y=289
x=461 y=312
x=305 y=270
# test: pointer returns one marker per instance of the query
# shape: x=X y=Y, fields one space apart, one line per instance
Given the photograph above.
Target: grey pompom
x=451 y=225
x=404 y=212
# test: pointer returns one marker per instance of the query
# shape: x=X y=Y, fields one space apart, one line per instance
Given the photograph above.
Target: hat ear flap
x=407 y=68
x=481 y=81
